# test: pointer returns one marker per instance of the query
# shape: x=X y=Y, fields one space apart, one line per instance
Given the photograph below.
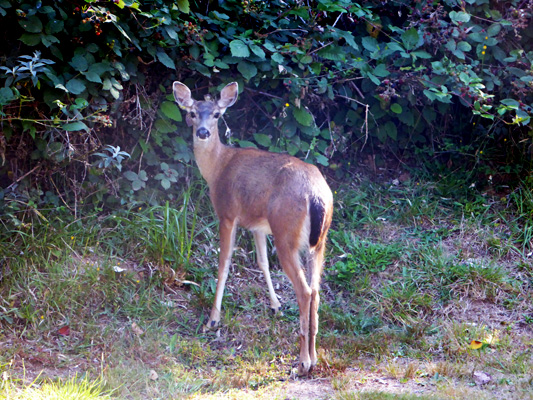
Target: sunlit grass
x=71 y=389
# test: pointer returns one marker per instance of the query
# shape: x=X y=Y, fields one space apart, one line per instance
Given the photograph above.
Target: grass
x=412 y=277
x=71 y=388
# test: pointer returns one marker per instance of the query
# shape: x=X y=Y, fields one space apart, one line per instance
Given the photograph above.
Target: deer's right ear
x=182 y=95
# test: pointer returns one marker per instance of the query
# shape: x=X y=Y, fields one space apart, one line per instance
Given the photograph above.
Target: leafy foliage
x=448 y=82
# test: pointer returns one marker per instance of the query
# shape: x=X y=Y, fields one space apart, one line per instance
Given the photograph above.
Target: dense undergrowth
x=88 y=121
x=413 y=280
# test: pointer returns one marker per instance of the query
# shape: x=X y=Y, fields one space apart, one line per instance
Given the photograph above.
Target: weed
x=359 y=256
x=348 y=320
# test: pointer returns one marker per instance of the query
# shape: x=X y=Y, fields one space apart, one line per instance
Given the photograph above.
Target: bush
x=85 y=84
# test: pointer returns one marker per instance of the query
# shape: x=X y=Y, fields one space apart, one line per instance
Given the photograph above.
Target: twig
x=24 y=176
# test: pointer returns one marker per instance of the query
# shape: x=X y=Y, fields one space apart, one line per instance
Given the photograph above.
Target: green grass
x=412 y=277
x=69 y=389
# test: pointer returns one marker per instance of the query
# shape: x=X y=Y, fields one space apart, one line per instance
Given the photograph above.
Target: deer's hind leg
x=289 y=222
x=290 y=261
x=262 y=260
x=315 y=262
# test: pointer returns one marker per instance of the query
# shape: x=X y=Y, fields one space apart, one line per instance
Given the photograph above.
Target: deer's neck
x=211 y=157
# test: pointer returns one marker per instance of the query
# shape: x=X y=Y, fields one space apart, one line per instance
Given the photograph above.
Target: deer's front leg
x=227 y=240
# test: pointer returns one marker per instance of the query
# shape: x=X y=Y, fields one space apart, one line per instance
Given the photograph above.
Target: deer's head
x=204 y=115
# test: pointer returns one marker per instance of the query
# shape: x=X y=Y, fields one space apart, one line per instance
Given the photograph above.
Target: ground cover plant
x=421 y=299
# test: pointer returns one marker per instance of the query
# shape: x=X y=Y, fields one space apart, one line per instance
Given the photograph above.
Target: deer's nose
x=202 y=133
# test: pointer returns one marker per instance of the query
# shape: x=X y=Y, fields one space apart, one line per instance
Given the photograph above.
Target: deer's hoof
x=211 y=325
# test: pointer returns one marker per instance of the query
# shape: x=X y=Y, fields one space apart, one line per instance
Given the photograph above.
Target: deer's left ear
x=228 y=96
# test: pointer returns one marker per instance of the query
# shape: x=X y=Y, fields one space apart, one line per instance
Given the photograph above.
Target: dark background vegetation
x=88 y=121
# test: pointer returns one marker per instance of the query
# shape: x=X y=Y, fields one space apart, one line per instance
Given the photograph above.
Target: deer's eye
x=217 y=115
x=193 y=115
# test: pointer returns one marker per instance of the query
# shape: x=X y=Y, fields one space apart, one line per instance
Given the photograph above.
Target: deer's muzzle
x=202 y=133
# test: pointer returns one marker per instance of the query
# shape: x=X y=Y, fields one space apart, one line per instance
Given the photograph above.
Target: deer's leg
x=227 y=241
x=262 y=260
x=290 y=261
x=315 y=262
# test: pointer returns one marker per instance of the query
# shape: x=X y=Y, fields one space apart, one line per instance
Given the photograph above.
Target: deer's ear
x=228 y=96
x=182 y=95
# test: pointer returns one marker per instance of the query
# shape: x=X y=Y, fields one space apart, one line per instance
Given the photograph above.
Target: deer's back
x=255 y=186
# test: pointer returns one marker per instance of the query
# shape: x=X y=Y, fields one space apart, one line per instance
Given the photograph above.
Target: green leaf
x=247 y=143
x=390 y=130
x=306 y=59
x=164 y=126
x=302 y=116
x=262 y=139
x=421 y=54
x=248 y=70
x=171 y=110
x=123 y=32
x=92 y=77
x=258 y=51
x=410 y=38
x=165 y=183
x=331 y=54
x=381 y=71
x=54 y=26
x=79 y=63
x=220 y=15
x=165 y=60
x=130 y=175
x=100 y=68
x=396 y=108
x=239 y=48
x=512 y=103
x=407 y=118
x=321 y=159
x=32 y=24
x=459 y=54
x=373 y=78
x=370 y=43
x=48 y=40
x=75 y=126
x=459 y=16
x=429 y=94
x=494 y=29
x=464 y=46
x=220 y=64
x=277 y=58
x=136 y=185
x=6 y=96
x=183 y=6
x=75 y=86
x=30 y=39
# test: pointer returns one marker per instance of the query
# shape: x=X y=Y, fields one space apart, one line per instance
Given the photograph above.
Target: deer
x=266 y=193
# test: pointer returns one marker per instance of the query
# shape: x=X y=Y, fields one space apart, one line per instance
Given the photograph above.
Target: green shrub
x=85 y=82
